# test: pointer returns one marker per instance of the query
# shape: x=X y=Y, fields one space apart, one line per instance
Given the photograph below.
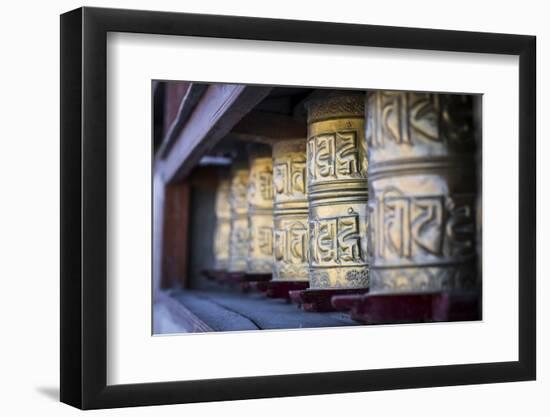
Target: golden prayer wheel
x=238 y=248
x=222 y=234
x=337 y=191
x=260 y=211
x=422 y=185
x=290 y=211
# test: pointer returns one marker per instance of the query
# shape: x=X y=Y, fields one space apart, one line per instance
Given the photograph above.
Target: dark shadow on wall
x=202 y=221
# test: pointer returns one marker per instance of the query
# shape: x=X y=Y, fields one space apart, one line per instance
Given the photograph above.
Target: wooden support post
x=175 y=233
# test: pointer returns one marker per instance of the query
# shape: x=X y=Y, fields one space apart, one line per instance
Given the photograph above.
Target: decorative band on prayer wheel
x=238 y=248
x=422 y=189
x=222 y=234
x=260 y=211
x=290 y=211
x=337 y=191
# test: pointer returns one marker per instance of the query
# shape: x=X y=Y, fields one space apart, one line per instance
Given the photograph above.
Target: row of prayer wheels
x=381 y=195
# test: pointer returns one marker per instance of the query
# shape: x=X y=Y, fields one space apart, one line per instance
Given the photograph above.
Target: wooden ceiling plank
x=220 y=108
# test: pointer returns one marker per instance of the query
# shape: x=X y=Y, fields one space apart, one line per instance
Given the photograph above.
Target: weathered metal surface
x=337 y=191
x=422 y=191
x=260 y=211
x=290 y=211
x=238 y=248
x=222 y=236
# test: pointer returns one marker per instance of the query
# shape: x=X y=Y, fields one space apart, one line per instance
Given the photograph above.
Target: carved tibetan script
x=291 y=243
x=399 y=118
x=289 y=178
x=413 y=227
x=336 y=240
x=334 y=156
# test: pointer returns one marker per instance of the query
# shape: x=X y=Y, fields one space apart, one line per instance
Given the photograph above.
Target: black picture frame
x=84 y=207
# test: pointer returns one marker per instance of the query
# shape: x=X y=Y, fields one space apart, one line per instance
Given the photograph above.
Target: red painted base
x=409 y=308
x=214 y=274
x=257 y=277
x=255 y=282
x=320 y=300
x=281 y=289
x=248 y=286
x=224 y=277
x=260 y=286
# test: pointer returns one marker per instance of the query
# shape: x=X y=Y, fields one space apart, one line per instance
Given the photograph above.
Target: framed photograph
x=257 y=208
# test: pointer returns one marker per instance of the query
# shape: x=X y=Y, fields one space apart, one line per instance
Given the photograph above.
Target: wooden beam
x=245 y=137
x=219 y=109
x=158 y=231
x=175 y=92
x=185 y=109
x=269 y=125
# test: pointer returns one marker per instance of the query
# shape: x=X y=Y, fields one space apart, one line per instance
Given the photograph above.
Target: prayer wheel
x=422 y=192
x=222 y=234
x=290 y=212
x=238 y=248
x=260 y=211
x=337 y=191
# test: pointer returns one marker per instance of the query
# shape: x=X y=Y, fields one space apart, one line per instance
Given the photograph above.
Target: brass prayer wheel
x=337 y=191
x=290 y=213
x=422 y=189
x=260 y=211
x=238 y=248
x=222 y=234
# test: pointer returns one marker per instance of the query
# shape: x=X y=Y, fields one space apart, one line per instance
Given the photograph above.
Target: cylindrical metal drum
x=222 y=234
x=422 y=191
x=260 y=211
x=290 y=211
x=337 y=191
x=238 y=248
